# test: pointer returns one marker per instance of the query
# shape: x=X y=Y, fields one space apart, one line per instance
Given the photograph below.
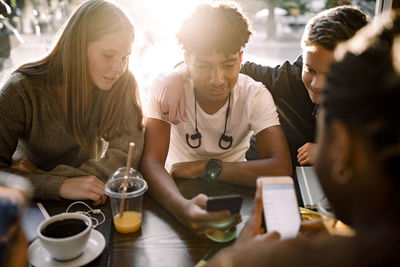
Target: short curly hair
x=220 y=28
x=332 y=26
x=362 y=89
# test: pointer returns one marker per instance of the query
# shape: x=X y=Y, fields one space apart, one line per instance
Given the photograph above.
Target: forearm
x=162 y=187
x=245 y=173
x=260 y=73
x=45 y=185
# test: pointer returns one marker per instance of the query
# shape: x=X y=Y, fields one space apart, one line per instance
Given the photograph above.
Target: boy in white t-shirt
x=223 y=108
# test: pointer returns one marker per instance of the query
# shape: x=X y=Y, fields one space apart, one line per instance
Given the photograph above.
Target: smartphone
x=281 y=210
x=232 y=203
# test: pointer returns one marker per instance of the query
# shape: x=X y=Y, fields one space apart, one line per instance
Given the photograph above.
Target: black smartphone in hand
x=232 y=203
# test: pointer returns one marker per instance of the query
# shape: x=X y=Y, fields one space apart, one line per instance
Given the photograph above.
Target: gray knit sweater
x=31 y=125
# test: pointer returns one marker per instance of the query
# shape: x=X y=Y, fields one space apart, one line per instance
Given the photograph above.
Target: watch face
x=213 y=168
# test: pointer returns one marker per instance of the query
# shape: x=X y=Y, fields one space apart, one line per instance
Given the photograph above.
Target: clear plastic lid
x=121 y=172
x=134 y=182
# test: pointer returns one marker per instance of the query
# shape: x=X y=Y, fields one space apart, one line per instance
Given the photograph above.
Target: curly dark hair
x=363 y=89
x=333 y=26
x=220 y=28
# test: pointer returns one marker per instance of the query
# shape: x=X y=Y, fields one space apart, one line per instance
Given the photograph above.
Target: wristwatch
x=213 y=168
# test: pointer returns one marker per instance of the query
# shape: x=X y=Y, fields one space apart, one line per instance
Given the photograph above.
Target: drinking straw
x=125 y=183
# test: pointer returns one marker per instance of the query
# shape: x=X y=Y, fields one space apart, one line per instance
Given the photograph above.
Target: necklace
x=197 y=135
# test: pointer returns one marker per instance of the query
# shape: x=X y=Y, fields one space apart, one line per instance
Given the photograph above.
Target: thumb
x=271 y=236
x=201 y=200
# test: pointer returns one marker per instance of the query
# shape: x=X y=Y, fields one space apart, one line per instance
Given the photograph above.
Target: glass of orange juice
x=126 y=197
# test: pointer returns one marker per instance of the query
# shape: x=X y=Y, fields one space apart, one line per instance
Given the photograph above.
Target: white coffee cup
x=65 y=248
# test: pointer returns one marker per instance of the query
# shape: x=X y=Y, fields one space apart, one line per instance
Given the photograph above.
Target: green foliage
x=335 y=3
x=294 y=7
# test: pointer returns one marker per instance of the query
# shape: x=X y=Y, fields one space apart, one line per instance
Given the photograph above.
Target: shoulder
x=152 y=95
x=247 y=88
x=15 y=84
x=16 y=79
x=245 y=83
x=253 y=96
x=19 y=85
x=297 y=67
x=299 y=61
x=157 y=83
x=291 y=70
x=288 y=70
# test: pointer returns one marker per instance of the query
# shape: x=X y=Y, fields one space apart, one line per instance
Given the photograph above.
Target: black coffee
x=64 y=228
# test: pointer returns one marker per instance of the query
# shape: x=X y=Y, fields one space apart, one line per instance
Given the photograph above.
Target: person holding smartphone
x=224 y=109
x=296 y=87
x=357 y=162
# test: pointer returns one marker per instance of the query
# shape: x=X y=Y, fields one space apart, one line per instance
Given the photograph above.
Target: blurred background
x=28 y=28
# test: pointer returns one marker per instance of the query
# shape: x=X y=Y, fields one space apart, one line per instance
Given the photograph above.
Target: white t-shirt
x=252 y=110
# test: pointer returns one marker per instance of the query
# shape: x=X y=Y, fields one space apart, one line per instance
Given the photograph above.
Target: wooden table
x=162 y=240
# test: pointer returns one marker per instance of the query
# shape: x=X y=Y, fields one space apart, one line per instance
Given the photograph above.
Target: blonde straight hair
x=65 y=69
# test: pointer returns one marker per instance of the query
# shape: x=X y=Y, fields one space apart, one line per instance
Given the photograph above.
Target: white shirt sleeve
x=263 y=109
x=152 y=108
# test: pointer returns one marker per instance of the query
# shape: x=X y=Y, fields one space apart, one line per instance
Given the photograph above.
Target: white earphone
x=95 y=221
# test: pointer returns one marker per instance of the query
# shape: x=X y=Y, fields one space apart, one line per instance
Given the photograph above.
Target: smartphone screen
x=281 y=210
x=225 y=202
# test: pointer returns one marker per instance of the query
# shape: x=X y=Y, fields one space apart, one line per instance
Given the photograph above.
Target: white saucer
x=38 y=255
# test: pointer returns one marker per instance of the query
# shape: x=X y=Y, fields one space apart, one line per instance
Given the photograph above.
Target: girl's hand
x=82 y=188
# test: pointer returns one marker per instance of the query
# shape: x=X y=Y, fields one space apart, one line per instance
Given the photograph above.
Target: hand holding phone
x=281 y=211
x=223 y=230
